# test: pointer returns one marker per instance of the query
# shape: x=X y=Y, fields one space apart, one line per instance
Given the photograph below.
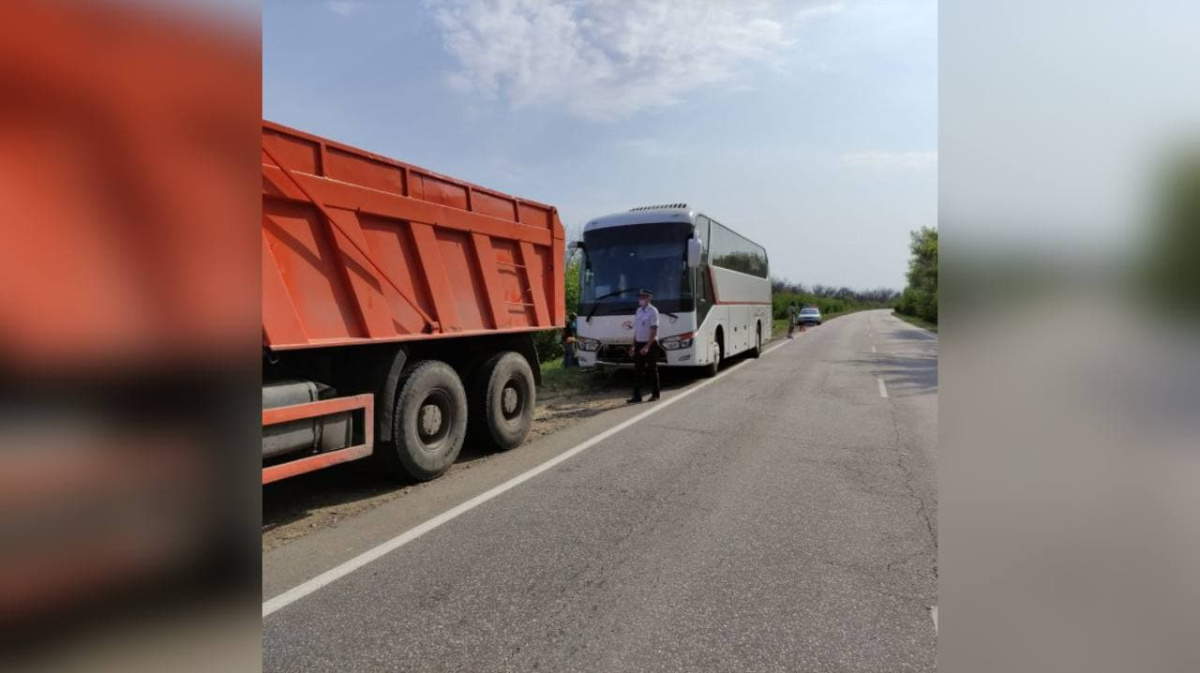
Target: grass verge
x=913 y=320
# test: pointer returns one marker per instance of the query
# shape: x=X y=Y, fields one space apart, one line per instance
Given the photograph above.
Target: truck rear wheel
x=430 y=420
x=502 y=401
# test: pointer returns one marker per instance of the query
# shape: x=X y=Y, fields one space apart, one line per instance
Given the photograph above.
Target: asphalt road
x=781 y=517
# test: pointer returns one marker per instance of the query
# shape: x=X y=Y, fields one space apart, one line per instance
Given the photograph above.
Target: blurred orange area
x=128 y=152
x=129 y=301
x=82 y=517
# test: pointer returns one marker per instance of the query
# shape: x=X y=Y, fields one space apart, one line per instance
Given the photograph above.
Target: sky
x=1054 y=131
x=808 y=126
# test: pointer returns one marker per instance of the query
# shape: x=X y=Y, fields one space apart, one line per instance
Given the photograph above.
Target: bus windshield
x=652 y=256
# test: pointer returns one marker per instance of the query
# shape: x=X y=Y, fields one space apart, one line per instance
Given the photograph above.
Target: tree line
x=827 y=298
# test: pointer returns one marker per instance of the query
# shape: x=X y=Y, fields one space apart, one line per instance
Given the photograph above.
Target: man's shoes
x=654 y=397
x=633 y=400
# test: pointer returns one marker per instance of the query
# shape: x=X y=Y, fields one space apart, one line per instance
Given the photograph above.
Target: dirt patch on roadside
x=300 y=506
x=556 y=414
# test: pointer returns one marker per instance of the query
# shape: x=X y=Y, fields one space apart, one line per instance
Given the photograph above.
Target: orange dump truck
x=399 y=308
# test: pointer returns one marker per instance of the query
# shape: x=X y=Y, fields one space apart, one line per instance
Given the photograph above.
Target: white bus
x=711 y=286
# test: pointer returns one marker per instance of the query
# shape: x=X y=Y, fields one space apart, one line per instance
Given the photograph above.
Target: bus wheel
x=502 y=401
x=715 y=366
x=430 y=420
x=757 y=350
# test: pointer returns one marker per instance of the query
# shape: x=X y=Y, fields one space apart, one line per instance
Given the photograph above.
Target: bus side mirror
x=694 y=249
x=575 y=245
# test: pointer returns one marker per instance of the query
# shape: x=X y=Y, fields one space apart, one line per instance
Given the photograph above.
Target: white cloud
x=902 y=160
x=609 y=59
x=814 y=12
x=343 y=7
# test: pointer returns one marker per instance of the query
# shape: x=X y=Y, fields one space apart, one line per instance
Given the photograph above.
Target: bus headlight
x=586 y=344
x=678 y=341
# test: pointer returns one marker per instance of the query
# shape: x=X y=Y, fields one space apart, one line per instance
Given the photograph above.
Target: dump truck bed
x=359 y=248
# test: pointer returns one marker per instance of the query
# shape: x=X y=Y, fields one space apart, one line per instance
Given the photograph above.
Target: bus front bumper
x=617 y=357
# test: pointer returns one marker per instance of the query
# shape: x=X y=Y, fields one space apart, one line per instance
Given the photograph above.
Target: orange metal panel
x=334 y=222
x=281 y=323
x=299 y=154
x=533 y=275
x=485 y=255
x=391 y=244
x=353 y=197
x=310 y=267
x=367 y=288
x=467 y=285
x=435 y=276
x=406 y=337
x=416 y=172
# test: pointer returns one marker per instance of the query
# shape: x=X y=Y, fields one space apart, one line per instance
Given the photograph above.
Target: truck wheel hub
x=431 y=420
x=510 y=400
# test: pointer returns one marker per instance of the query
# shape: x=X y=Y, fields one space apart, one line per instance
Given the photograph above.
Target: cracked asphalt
x=782 y=518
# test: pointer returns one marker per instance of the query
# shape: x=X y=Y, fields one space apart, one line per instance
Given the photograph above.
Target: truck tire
x=502 y=401
x=429 y=421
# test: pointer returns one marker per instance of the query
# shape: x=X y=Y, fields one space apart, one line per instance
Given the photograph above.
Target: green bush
x=826 y=305
x=548 y=344
x=920 y=298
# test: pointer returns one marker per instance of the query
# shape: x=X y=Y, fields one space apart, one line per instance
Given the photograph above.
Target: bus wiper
x=597 y=300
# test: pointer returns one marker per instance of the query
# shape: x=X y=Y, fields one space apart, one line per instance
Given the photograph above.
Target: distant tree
x=1172 y=268
x=920 y=298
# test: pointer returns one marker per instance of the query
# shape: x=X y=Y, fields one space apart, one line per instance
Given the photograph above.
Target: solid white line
x=933 y=613
x=332 y=575
x=882 y=388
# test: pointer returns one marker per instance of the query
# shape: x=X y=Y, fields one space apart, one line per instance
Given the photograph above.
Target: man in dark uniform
x=645 y=347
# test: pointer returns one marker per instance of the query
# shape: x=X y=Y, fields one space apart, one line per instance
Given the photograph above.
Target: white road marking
x=933 y=613
x=872 y=348
x=332 y=575
x=882 y=388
